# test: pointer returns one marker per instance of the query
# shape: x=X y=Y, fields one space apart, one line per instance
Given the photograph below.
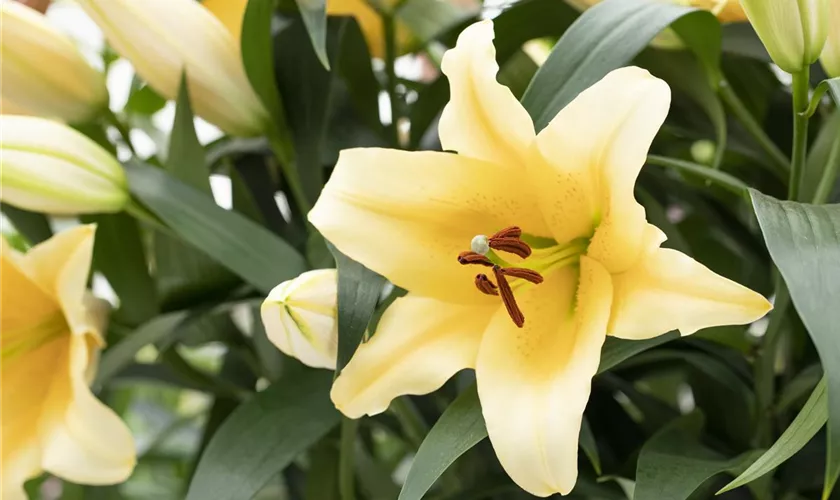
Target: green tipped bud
x=46 y=166
x=793 y=31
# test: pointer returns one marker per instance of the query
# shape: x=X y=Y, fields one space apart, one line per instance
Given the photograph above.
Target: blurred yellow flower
x=728 y=11
x=830 y=57
x=44 y=73
x=50 y=337
x=46 y=166
x=163 y=38
x=300 y=317
x=520 y=254
x=792 y=31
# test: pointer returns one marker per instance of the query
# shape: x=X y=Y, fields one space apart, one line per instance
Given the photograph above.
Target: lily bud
x=300 y=318
x=46 y=166
x=830 y=57
x=792 y=31
x=164 y=38
x=44 y=74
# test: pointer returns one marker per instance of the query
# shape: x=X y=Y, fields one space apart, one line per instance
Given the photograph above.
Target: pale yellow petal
x=62 y=264
x=418 y=345
x=667 y=290
x=482 y=119
x=407 y=216
x=230 y=13
x=589 y=157
x=88 y=443
x=25 y=304
x=534 y=382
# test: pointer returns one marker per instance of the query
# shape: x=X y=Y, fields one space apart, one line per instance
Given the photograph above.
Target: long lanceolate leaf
x=804 y=242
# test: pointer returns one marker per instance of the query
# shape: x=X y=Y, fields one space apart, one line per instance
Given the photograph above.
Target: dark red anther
x=525 y=274
x=510 y=245
x=465 y=258
x=508 y=299
x=485 y=286
x=508 y=232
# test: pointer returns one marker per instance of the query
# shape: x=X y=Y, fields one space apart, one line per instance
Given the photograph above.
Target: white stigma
x=480 y=244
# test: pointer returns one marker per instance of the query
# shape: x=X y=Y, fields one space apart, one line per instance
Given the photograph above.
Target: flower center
x=23 y=340
x=540 y=256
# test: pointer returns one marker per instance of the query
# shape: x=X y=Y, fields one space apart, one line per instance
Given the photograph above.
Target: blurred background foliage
x=219 y=413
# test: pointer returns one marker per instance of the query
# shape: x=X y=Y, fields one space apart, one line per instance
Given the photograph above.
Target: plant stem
x=415 y=429
x=779 y=161
x=722 y=179
x=829 y=175
x=391 y=75
x=284 y=151
x=142 y=214
x=114 y=121
x=765 y=367
x=800 y=132
x=346 y=460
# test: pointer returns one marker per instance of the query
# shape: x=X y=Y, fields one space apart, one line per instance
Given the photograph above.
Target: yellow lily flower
x=299 y=316
x=520 y=254
x=164 y=38
x=50 y=336
x=44 y=74
x=727 y=11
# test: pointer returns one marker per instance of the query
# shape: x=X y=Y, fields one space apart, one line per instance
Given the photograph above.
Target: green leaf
x=820 y=158
x=589 y=445
x=263 y=436
x=606 y=37
x=35 y=227
x=673 y=463
x=426 y=20
x=258 y=57
x=122 y=354
x=314 y=14
x=144 y=101
x=806 y=424
x=182 y=271
x=359 y=289
x=119 y=254
x=462 y=425
x=804 y=242
x=247 y=249
x=832 y=86
x=459 y=428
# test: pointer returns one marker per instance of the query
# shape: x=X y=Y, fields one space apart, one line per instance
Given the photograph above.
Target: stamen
x=509 y=232
x=507 y=297
x=484 y=285
x=511 y=245
x=525 y=274
x=466 y=258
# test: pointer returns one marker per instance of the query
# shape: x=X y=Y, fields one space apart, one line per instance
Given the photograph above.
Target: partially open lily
x=50 y=337
x=520 y=253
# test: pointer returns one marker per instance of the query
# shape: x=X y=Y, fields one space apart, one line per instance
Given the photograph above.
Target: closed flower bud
x=44 y=74
x=793 y=31
x=46 y=166
x=830 y=58
x=300 y=318
x=164 y=38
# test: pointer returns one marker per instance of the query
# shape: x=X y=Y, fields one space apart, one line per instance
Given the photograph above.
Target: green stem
x=415 y=429
x=765 y=366
x=391 y=75
x=722 y=179
x=114 y=121
x=779 y=161
x=139 y=212
x=800 y=132
x=284 y=151
x=346 y=460
x=829 y=176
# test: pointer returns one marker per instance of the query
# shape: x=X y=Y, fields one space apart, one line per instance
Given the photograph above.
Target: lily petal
x=407 y=216
x=534 y=382
x=86 y=442
x=28 y=306
x=592 y=152
x=482 y=119
x=418 y=345
x=61 y=265
x=668 y=290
